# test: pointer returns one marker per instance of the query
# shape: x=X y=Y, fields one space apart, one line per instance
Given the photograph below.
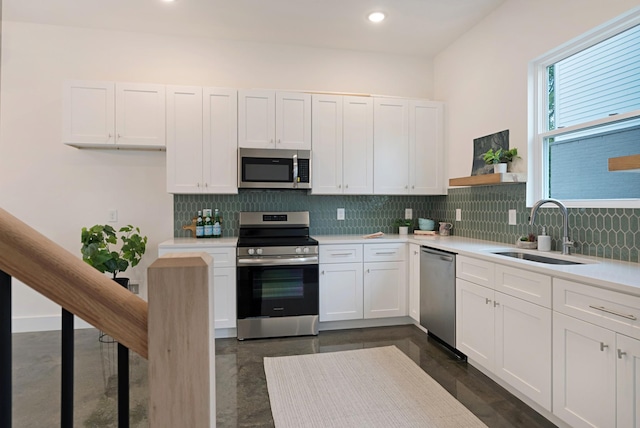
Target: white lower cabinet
x=596 y=354
x=474 y=322
x=222 y=287
x=414 y=281
x=584 y=366
x=385 y=289
x=628 y=381
x=507 y=335
x=351 y=289
x=341 y=291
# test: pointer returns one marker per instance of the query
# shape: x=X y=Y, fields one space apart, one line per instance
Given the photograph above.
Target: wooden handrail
x=71 y=283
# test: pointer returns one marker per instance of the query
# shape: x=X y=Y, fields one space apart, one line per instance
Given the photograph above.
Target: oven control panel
x=277 y=251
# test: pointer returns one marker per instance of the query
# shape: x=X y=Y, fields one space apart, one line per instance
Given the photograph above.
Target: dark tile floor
x=242 y=399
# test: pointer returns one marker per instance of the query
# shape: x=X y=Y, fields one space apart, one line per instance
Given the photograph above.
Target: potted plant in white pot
x=500 y=158
x=97 y=252
x=403 y=225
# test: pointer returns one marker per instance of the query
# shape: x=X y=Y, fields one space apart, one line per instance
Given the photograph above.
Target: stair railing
x=172 y=331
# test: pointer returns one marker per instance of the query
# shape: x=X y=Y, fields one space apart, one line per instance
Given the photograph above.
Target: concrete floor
x=242 y=399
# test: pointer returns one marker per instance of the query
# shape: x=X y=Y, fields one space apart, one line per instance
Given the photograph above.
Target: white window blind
x=599 y=81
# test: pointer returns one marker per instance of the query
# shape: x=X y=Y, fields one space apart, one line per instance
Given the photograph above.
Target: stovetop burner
x=275 y=229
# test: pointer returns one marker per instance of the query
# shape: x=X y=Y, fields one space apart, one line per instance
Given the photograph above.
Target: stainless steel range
x=277 y=275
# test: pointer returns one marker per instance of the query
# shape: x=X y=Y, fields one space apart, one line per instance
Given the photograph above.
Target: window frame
x=537 y=180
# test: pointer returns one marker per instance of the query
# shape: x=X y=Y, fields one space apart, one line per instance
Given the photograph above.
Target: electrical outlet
x=340 y=213
x=512 y=217
x=134 y=288
x=408 y=214
x=113 y=215
x=458 y=214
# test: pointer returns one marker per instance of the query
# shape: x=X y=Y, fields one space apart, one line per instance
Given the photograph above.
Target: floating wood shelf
x=489 y=179
x=625 y=163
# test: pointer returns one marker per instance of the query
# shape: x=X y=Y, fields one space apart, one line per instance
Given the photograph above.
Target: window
x=586 y=100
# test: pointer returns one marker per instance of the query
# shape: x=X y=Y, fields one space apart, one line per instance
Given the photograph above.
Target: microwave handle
x=295 y=170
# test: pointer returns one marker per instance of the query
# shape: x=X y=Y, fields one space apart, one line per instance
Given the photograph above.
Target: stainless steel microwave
x=274 y=169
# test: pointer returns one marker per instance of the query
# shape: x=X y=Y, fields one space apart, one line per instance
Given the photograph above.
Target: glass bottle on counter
x=217 y=226
x=208 y=224
x=199 y=225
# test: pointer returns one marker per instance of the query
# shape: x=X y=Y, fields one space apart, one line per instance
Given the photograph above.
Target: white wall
x=58 y=189
x=483 y=78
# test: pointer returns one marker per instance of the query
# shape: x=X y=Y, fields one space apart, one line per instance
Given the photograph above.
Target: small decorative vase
x=499 y=168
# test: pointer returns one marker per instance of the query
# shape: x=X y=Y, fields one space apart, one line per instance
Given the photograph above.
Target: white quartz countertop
x=194 y=242
x=604 y=273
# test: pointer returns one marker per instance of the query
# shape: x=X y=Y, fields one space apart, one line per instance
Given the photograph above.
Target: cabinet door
x=184 y=139
x=584 y=373
x=256 y=119
x=220 y=140
x=89 y=109
x=327 y=144
x=140 y=115
x=414 y=281
x=475 y=322
x=523 y=347
x=426 y=148
x=391 y=146
x=224 y=297
x=357 y=151
x=628 y=383
x=341 y=291
x=293 y=121
x=385 y=289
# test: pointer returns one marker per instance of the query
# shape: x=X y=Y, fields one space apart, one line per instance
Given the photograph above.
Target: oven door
x=277 y=291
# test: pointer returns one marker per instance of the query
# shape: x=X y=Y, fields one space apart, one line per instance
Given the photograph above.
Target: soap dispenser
x=544 y=241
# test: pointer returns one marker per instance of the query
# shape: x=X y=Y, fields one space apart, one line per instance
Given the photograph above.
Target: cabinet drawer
x=222 y=256
x=396 y=252
x=530 y=286
x=341 y=253
x=616 y=311
x=473 y=270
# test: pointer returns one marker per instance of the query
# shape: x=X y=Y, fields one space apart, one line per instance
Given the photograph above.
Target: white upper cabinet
x=270 y=119
x=184 y=140
x=426 y=148
x=220 y=140
x=327 y=138
x=357 y=146
x=113 y=115
x=391 y=146
x=342 y=145
x=201 y=140
x=408 y=147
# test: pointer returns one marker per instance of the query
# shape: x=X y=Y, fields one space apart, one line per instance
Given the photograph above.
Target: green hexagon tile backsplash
x=602 y=232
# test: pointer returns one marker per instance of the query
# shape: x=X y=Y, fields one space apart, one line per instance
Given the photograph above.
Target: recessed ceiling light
x=376 y=16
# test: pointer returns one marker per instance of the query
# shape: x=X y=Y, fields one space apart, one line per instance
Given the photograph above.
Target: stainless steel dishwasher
x=438 y=296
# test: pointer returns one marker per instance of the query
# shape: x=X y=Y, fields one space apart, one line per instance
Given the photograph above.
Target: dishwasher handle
x=442 y=256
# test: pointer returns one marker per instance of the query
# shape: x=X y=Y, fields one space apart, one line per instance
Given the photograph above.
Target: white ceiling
x=413 y=27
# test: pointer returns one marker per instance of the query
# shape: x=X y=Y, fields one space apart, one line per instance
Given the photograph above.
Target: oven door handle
x=266 y=261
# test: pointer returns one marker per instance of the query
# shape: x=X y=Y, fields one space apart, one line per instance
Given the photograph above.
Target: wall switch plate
x=512 y=217
x=340 y=213
x=408 y=214
x=113 y=216
x=458 y=214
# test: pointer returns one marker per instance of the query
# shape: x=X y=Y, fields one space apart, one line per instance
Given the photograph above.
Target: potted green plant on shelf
x=500 y=158
x=97 y=252
x=403 y=225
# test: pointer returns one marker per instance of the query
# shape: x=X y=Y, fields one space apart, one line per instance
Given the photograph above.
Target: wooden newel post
x=181 y=343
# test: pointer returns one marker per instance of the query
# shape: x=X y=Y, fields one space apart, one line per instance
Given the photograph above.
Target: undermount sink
x=537 y=258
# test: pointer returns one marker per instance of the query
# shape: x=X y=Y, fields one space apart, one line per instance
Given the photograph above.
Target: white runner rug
x=377 y=387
